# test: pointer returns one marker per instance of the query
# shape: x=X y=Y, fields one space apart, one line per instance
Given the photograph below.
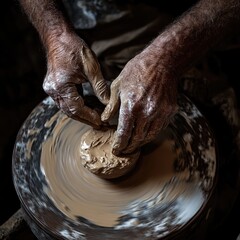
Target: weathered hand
x=146 y=89
x=146 y=94
x=71 y=62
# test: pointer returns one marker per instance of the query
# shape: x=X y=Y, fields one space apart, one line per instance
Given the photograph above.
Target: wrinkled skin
x=71 y=63
x=145 y=91
x=146 y=100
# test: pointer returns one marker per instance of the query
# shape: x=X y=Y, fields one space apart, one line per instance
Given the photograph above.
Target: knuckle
x=134 y=106
x=150 y=109
x=47 y=86
x=101 y=87
x=71 y=111
x=54 y=83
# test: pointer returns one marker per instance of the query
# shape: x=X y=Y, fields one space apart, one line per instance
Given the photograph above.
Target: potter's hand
x=146 y=94
x=146 y=88
x=71 y=62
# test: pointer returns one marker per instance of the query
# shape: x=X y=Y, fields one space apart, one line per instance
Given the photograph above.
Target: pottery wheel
x=164 y=194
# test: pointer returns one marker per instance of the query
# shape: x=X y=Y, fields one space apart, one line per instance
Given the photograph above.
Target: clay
x=97 y=157
x=75 y=191
x=172 y=181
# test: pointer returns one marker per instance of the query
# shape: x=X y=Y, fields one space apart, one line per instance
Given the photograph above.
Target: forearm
x=195 y=32
x=48 y=20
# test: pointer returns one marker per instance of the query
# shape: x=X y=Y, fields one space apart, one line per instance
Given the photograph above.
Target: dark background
x=22 y=70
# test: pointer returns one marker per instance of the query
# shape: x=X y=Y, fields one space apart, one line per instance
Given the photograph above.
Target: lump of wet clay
x=97 y=157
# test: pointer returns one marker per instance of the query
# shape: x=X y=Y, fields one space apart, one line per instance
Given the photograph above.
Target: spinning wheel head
x=167 y=192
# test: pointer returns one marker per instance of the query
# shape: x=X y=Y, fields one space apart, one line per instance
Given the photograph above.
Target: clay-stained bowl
x=158 y=217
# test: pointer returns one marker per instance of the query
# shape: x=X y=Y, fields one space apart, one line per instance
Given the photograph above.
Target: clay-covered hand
x=70 y=63
x=146 y=94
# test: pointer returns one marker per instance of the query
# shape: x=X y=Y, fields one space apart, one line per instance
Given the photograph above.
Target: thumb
x=93 y=72
x=114 y=102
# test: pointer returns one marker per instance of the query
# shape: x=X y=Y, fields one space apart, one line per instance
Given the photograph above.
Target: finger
x=139 y=134
x=114 y=102
x=73 y=106
x=124 y=130
x=93 y=72
x=101 y=89
x=76 y=110
x=155 y=128
x=144 y=133
x=160 y=123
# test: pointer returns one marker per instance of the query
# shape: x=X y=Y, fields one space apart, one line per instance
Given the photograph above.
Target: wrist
x=56 y=37
x=162 y=53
